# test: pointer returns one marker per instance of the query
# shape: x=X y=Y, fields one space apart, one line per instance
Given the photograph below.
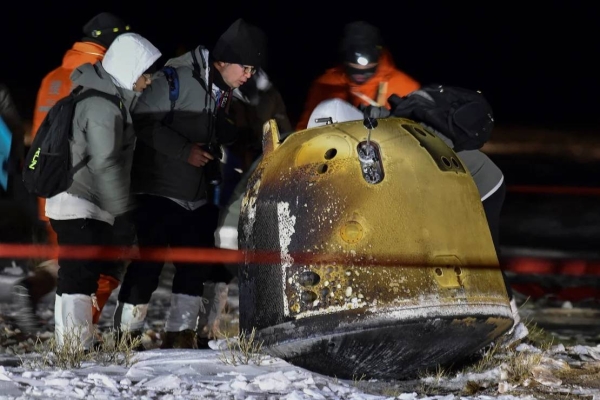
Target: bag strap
x=196 y=69
x=116 y=100
x=173 y=81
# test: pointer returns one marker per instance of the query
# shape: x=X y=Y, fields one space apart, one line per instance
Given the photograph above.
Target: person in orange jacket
x=99 y=32
x=366 y=76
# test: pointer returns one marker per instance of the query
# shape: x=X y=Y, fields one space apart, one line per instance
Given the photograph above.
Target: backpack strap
x=173 y=81
x=110 y=97
x=196 y=69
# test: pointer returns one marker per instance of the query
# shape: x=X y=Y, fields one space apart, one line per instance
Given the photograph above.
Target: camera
x=212 y=169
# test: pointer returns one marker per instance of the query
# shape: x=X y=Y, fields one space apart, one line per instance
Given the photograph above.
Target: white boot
x=518 y=330
x=129 y=317
x=74 y=319
x=183 y=312
x=58 y=321
x=215 y=298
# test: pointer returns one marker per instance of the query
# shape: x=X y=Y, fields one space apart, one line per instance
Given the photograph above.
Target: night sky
x=535 y=64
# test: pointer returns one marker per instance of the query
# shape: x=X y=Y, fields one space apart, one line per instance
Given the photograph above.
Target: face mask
x=360 y=75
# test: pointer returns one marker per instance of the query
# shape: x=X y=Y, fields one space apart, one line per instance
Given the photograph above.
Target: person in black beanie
x=175 y=172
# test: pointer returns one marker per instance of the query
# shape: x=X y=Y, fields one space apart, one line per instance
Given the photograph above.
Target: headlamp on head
x=363 y=56
x=362 y=60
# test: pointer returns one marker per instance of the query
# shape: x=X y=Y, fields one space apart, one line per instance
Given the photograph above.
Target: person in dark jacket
x=176 y=166
x=253 y=104
x=16 y=223
x=18 y=210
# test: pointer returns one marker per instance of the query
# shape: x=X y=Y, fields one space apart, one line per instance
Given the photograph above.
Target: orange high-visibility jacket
x=57 y=84
x=334 y=83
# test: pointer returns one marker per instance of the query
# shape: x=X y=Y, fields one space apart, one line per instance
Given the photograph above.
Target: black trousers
x=81 y=276
x=493 y=208
x=16 y=227
x=160 y=222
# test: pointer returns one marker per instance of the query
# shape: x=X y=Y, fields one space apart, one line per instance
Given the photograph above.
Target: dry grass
x=117 y=349
x=112 y=350
x=518 y=366
x=243 y=350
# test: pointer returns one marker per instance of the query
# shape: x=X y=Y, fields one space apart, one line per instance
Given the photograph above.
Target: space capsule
x=383 y=262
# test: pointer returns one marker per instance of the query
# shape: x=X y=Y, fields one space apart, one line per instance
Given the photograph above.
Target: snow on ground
x=564 y=372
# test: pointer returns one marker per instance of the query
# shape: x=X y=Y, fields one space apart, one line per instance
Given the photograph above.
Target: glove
x=376 y=112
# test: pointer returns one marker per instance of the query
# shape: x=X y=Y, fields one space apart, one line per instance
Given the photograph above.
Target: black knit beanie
x=104 y=28
x=243 y=44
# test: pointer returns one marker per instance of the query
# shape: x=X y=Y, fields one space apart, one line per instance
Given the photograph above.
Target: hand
x=199 y=157
x=376 y=112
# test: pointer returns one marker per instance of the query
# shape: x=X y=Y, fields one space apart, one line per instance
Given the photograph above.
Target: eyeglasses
x=248 y=69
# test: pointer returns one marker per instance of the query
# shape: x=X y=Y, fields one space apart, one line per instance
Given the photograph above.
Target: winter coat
x=335 y=83
x=57 y=83
x=160 y=164
x=100 y=136
x=488 y=176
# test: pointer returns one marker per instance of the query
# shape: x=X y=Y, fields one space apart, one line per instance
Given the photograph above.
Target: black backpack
x=48 y=168
x=462 y=115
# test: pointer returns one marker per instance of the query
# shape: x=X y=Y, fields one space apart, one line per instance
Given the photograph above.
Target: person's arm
x=150 y=111
x=103 y=125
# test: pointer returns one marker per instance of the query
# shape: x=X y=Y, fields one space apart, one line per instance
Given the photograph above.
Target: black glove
x=375 y=112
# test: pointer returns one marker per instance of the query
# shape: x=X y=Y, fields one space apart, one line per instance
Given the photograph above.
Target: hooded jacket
x=57 y=84
x=335 y=83
x=101 y=136
x=160 y=164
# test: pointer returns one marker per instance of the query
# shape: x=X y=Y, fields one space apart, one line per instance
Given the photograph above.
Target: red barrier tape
x=572 y=190
x=204 y=255
x=540 y=266
x=518 y=264
x=183 y=254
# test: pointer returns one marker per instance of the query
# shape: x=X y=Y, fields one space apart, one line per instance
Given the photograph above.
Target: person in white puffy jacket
x=84 y=214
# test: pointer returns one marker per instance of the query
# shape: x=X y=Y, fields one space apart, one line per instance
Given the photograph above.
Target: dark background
x=536 y=64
